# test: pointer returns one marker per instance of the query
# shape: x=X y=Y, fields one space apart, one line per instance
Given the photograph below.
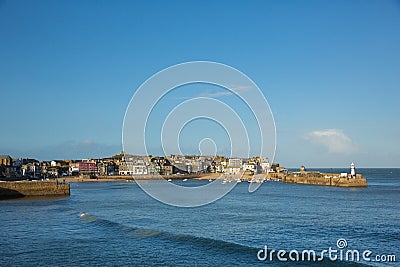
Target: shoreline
x=306 y=178
x=100 y=179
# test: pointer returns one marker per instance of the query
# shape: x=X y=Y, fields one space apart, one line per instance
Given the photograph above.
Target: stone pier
x=33 y=188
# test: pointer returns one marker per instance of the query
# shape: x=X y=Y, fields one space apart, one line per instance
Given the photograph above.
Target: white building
x=233 y=170
x=250 y=166
x=137 y=167
x=265 y=165
x=235 y=162
x=234 y=166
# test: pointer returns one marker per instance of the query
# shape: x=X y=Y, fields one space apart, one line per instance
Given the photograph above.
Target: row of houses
x=179 y=164
x=124 y=164
x=174 y=164
x=32 y=168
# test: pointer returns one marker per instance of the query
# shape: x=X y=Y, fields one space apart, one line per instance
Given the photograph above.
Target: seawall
x=33 y=188
x=329 y=181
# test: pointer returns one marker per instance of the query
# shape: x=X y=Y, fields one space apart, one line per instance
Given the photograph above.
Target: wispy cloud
x=334 y=140
x=226 y=92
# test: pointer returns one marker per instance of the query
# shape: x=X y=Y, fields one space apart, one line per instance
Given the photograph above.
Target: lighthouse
x=352 y=170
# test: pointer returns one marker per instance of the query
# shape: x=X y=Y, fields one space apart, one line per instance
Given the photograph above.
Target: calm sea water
x=124 y=226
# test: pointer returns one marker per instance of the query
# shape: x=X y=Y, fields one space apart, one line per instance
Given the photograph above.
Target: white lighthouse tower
x=353 y=170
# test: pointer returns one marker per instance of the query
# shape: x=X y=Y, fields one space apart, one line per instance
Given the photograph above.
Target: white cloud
x=335 y=140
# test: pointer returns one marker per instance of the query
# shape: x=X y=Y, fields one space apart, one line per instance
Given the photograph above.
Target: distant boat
x=184 y=180
x=210 y=180
x=169 y=180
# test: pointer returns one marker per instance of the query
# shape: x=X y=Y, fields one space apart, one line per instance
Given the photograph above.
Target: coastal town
x=129 y=165
x=20 y=177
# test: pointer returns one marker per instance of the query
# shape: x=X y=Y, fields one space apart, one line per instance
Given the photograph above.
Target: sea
x=116 y=223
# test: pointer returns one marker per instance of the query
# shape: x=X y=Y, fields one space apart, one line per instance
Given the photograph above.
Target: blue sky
x=329 y=70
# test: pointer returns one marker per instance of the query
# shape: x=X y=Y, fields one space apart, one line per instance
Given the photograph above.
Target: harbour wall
x=33 y=188
x=329 y=181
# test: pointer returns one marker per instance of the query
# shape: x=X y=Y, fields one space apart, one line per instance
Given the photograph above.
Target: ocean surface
x=104 y=224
